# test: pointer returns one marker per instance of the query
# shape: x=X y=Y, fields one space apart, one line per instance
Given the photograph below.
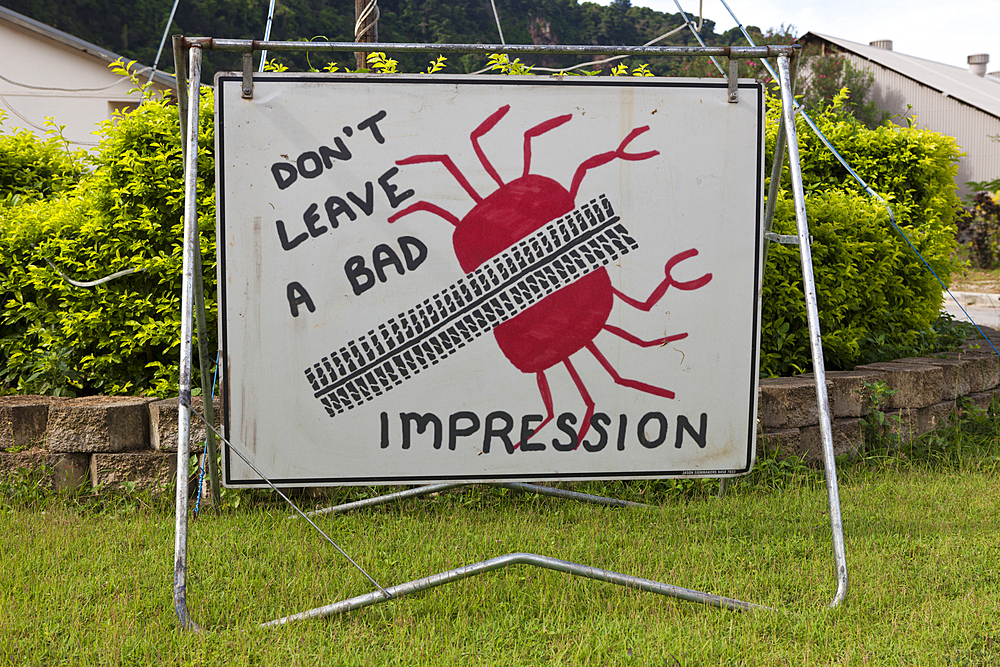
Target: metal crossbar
x=437 y=488
x=252 y=45
x=500 y=562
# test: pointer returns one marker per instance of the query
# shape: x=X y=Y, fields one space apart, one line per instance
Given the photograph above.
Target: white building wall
x=971 y=127
x=44 y=78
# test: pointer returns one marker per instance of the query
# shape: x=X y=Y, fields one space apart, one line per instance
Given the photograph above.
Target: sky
x=945 y=31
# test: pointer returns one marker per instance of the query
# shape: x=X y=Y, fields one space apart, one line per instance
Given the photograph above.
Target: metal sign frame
x=188 y=59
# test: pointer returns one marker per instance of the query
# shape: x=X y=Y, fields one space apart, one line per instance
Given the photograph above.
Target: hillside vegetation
x=134 y=29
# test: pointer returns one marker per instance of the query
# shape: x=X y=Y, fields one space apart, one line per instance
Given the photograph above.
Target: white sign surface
x=428 y=278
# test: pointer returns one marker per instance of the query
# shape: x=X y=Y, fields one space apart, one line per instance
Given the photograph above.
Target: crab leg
x=588 y=401
x=483 y=128
x=450 y=166
x=656 y=342
x=537 y=130
x=543 y=389
x=625 y=382
x=428 y=207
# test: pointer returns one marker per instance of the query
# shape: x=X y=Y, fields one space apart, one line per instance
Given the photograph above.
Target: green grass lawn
x=87 y=581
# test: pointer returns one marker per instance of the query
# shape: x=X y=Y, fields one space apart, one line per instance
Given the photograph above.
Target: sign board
x=432 y=278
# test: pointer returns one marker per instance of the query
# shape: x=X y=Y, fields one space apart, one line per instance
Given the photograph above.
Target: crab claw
x=620 y=153
x=605 y=158
x=686 y=285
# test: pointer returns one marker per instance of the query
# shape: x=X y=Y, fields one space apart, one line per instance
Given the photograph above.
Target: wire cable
x=591 y=63
x=295 y=507
x=360 y=29
x=697 y=35
x=612 y=58
x=267 y=35
x=92 y=283
x=71 y=90
x=163 y=40
x=892 y=220
x=203 y=467
x=687 y=23
x=64 y=90
x=497 y=17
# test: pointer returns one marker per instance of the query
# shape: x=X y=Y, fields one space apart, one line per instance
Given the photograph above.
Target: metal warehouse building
x=963 y=103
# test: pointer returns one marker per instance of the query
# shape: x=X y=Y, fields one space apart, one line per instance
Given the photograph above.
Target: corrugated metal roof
x=69 y=40
x=980 y=92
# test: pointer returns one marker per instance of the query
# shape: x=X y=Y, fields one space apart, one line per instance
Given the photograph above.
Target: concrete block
x=935 y=416
x=782 y=442
x=979 y=400
x=149 y=471
x=900 y=426
x=63 y=472
x=985 y=373
x=959 y=374
x=916 y=385
x=848 y=393
x=98 y=424
x=163 y=424
x=848 y=437
x=788 y=402
x=23 y=419
x=906 y=424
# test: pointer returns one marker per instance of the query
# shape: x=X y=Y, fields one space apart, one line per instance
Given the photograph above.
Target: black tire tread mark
x=561 y=252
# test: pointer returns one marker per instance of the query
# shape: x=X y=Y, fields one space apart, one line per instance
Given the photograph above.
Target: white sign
x=427 y=278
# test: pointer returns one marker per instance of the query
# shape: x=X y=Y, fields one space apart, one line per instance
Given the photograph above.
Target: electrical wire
x=64 y=90
x=92 y=283
x=40 y=128
x=71 y=90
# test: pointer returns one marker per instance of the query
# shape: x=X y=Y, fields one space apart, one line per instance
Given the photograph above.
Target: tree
x=826 y=75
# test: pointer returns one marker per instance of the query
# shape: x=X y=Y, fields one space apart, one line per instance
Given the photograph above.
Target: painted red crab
x=568 y=320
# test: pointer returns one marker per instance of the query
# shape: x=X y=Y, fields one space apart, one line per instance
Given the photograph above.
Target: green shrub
x=979 y=229
x=876 y=298
x=33 y=168
x=121 y=336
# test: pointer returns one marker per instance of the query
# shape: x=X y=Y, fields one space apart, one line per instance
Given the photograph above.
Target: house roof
x=69 y=40
x=980 y=92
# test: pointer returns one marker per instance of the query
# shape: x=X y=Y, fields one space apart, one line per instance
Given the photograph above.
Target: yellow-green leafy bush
x=121 y=336
x=876 y=298
x=33 y=168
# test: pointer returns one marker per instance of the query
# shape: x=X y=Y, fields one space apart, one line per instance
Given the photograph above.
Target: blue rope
x=862 y=183
x=201 y=467
x=892 y=221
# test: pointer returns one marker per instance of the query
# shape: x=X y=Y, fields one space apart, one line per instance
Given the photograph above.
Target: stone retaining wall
x=107 y=441
x=100 y=441
x=927 y=391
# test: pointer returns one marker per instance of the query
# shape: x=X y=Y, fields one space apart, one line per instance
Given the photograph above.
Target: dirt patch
x=976 y=280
